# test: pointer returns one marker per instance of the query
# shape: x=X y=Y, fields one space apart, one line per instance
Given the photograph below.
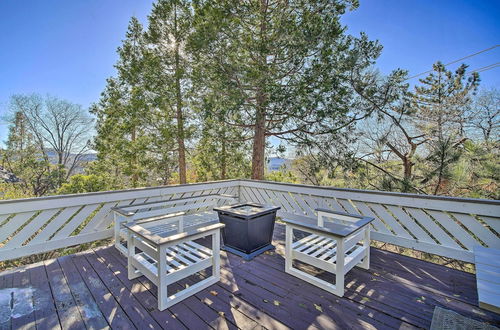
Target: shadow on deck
x=91 y=290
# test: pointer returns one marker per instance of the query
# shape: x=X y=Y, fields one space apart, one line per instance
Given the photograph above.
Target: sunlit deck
x=91 y=290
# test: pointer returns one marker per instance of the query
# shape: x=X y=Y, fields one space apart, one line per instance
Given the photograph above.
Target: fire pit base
x=249 y=228
x=248 y=256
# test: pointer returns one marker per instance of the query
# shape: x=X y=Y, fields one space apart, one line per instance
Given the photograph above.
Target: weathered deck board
x=91 y=290
x=43 y=301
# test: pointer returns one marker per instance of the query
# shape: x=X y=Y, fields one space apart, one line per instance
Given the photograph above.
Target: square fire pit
x=249 y=228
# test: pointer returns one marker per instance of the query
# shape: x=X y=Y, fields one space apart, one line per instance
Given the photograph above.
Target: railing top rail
x=380 y=192
x=109 y=192
x=125 y=210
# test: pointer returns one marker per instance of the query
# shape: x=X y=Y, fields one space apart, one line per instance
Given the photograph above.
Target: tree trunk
x=180 y=119
x=408 y=167
x=259 y=145
x=135 y=176
x=259 y=139
x=223 y=165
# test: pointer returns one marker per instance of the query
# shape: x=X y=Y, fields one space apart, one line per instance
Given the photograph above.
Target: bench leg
x=119 y=219
x=365 y=264
x=216 y=255
x=132 y=271
x=288 y=248
x=163 y=301
x=339 y=269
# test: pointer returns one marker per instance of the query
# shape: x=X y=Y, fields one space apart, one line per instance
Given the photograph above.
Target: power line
x=486 y=68
x=455 y=61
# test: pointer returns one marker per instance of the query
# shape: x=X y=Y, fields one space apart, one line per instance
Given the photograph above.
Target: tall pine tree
x=283 y=67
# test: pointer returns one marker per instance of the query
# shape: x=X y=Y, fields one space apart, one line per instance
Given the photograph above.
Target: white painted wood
x=328 y=252
x=30 y=249
x=40 y=203
x=479 y=218
x=478 y=229
x=347 y=206
x=55 y=224
x=443 y=238
x=77 y=220
x=168 y=262
x=279 y=200
x=299 y=199
x=389 y=220
x=103 y=212
x=377 y=223
x=458 y=232
x=13 y=224
x=460 y=205
x=30 y=229
x=487 y=262
x=493 y=222
x=459 y=254
x=409 y=223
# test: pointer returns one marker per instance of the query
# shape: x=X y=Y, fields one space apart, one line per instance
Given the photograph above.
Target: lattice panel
x=26 y=228
x=436 y=227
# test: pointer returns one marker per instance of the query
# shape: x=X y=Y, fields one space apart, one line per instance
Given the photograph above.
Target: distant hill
x=83 y=158
x=277 y=163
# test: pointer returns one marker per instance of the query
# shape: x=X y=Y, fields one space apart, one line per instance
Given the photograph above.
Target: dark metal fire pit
x=249 y=228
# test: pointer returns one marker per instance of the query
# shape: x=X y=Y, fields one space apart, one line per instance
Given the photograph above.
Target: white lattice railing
x=445 y=226
x=449 y=227
x=36 y=225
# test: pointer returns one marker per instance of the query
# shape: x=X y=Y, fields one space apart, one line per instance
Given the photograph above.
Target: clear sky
x=67 y=48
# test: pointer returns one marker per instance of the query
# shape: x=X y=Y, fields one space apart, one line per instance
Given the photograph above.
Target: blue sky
x=67 y=48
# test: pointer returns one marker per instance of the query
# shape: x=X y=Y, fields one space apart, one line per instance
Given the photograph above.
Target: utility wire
x=486 y=68
x=458 y=60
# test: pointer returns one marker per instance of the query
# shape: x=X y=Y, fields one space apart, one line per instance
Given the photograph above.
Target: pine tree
x=123 y=110
x=284 y=68
x=170 y=25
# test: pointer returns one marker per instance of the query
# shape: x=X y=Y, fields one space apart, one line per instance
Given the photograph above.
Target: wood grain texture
x=397 y=292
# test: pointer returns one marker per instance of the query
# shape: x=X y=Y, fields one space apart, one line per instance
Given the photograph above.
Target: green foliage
x=80 y=183
x=220 y=154
x=13 y=191
x=199 y=93
x=25 y=157
x=282 y=176
x=285 y=68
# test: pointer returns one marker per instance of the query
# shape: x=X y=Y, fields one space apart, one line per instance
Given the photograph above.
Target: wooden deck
x=91 y=290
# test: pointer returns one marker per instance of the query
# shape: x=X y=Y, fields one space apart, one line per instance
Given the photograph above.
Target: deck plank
x=5 y=299
x=114 y=314
x=164 y=319
x=130 y=305
x=181 y=311
x=22 y=295
x=89 y=310
x=67 y=310
x=396 y=292
x=46 y=314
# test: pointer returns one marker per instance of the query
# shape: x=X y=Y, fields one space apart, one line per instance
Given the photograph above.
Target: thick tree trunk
x=180 y=119
x=259 y=139
x=259 y=146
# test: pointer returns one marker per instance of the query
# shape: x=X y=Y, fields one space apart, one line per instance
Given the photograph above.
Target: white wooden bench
x=166 y=254
x=335 y=246
x=174 y=207
x=487 y=262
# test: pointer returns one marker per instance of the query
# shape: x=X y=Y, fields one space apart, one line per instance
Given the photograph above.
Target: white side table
x=166 y=255
x=335 y=246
